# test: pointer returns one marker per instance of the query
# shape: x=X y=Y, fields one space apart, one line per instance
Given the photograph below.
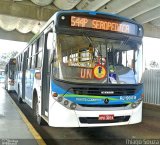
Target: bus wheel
x=19 y=98
x=39 y=119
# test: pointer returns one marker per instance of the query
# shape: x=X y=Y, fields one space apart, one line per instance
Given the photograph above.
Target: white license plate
x=106 y=117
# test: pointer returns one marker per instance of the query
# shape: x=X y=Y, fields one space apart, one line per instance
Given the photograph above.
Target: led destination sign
x=104 y=25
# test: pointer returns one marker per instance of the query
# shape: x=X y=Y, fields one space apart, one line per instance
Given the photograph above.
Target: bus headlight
x=73 y=106
x=60 y=99
x=66 y=102
x=135 y=104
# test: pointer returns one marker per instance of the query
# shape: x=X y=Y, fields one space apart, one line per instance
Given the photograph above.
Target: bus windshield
x=10 y=70
x=84 y=59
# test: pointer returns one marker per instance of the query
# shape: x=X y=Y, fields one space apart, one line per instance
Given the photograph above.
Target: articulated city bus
x=9 y=74
x=82 y=70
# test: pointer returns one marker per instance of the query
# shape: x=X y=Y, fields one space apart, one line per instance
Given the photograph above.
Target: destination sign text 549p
x=103 y=24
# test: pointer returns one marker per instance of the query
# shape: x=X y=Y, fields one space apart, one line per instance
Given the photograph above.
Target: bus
x=9 y=74
x=83 y=69
x=2 y=76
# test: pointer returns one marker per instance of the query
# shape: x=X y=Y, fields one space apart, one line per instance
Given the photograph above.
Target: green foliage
x=154 y=64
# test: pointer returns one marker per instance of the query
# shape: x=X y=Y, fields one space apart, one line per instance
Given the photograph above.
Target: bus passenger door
x=46 y=74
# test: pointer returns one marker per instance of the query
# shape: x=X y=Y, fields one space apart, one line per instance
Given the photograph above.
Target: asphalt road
x=147 y=132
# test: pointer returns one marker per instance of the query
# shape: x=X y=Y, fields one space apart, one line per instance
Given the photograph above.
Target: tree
x=154 y=64
x=4 y=58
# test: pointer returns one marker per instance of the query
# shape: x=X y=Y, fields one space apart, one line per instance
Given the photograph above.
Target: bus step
x=45 y=118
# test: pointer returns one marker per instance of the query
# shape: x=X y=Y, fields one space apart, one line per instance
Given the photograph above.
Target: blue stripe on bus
x=57 y=89
x=89 y=99
x=82 y=99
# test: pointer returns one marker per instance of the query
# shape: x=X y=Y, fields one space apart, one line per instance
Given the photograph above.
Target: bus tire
x=19 y=97
x=38 y=118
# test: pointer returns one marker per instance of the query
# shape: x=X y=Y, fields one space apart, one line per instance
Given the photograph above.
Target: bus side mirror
x=38 y=75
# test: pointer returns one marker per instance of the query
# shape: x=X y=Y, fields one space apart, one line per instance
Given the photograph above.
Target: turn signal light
x=54 y=94
x=142 y=95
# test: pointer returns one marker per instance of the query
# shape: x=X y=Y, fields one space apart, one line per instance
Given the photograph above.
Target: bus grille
x=93 y=120
x=107 y=105
x=104 y=91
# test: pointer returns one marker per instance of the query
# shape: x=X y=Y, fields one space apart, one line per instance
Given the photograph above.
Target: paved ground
x=147 y=132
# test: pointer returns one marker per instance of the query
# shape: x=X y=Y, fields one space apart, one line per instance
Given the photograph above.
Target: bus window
x=29 y=60
x=39 y=60
x=21 y=62
x=127 y=56
x=41 y=42
x=33 y=55
x=30 y=51
x=11 y=74
x=17 y=64
x=39 y=54
x=37 y=50
x=30 y=56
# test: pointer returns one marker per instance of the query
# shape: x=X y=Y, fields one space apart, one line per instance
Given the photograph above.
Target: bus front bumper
x=59 y=116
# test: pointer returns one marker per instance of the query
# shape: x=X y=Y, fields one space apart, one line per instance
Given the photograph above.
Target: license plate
x=106 y=117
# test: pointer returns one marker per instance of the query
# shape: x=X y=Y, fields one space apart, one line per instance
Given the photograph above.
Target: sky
x=7 y=46
x=151 y=48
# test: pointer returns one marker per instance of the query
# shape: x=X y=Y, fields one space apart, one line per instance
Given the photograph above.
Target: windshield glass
x=85 y=59
x=11 y=71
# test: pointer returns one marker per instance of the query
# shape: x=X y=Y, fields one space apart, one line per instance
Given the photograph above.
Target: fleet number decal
x=128 y=97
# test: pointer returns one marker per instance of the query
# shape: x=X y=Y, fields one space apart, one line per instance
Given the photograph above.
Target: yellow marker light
x=54 y=94
x=142 y=95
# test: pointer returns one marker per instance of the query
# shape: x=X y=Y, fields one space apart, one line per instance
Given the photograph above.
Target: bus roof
x=99 y=13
